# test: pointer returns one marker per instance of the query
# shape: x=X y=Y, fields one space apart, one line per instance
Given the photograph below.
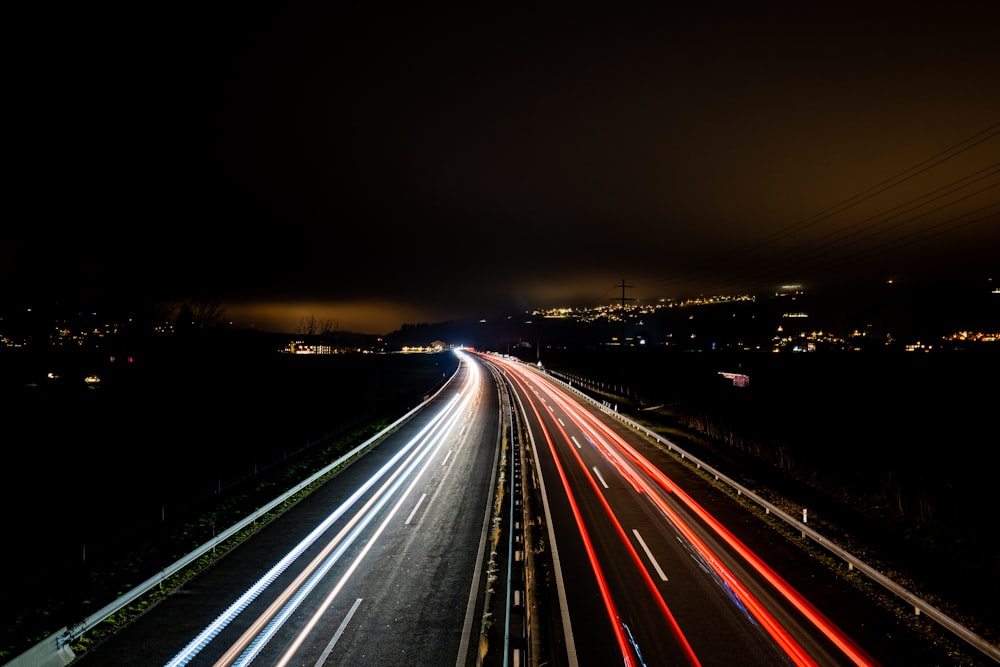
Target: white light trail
x=209 y=633
x=321 y=609
x=433 y=444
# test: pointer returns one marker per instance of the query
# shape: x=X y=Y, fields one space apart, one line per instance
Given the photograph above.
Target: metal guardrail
x=920 y=606
x=55 y=651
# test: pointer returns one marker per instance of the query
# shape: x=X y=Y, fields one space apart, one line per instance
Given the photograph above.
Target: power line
x=839 y=238
x=873 y=222
x=879 y=188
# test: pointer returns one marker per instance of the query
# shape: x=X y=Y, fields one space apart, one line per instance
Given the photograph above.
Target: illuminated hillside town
x=791 y=332
x=783 y=322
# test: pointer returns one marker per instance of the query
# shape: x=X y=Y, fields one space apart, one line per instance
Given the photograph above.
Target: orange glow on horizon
x=289 y=317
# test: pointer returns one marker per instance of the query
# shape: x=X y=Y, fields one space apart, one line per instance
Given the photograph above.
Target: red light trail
x=641 y=475
x=624 y=643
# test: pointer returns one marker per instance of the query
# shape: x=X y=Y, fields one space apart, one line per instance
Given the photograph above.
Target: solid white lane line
x=340 y=630
x=649 y=555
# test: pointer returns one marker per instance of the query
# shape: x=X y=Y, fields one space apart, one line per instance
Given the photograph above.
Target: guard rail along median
x=920 y=606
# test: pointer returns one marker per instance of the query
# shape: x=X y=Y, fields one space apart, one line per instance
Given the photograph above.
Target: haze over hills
x=885 y=314
x=888 y=314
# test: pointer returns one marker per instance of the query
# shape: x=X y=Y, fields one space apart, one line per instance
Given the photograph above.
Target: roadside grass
x=116 y=577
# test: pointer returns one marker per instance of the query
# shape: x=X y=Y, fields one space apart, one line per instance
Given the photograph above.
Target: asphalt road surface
x=379 y=566
x=652 y=563
x=659 y=566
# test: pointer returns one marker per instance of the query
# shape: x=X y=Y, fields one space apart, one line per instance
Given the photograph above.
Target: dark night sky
x=378 y=167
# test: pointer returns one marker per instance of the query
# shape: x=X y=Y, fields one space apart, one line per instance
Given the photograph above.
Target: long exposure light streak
x=571 y=654
x=845 y=644
x=625 y=639
x=592 y=556
x=446 y=415
x=289 y=653
x=605 y=435
x=346 y=538
x=777 y=632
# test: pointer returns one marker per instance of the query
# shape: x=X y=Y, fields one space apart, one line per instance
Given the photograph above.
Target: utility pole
x=621 y=352
x=624 y=299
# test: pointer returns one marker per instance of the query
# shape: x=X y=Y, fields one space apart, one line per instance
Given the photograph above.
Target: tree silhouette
x=197 y=314
x=323 y=331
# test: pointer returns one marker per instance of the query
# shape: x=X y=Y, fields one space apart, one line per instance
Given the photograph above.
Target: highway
x=379 y=566
x=509 y=522
x=648 y=575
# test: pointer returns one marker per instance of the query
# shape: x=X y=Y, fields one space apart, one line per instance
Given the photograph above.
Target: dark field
x=918 y=420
